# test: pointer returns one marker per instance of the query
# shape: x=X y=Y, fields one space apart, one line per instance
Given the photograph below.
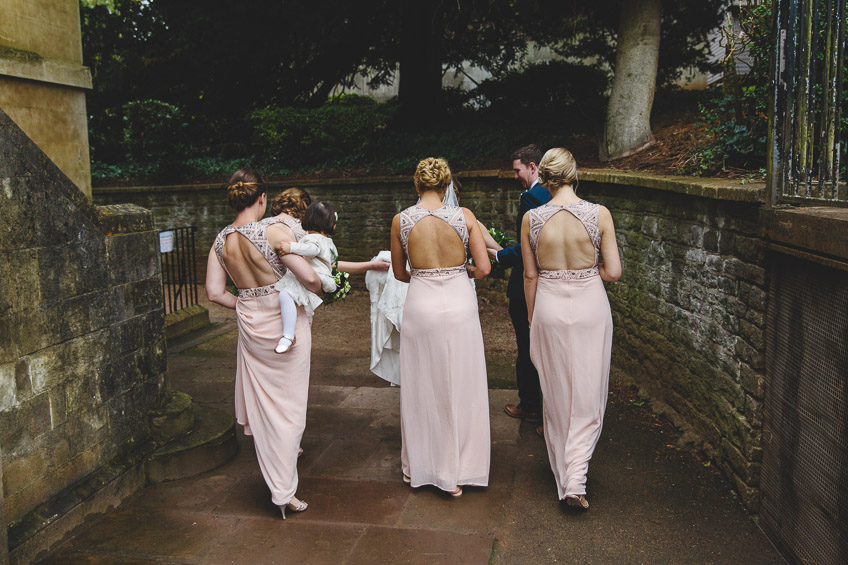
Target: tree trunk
x=420 y=87
x=628 y=124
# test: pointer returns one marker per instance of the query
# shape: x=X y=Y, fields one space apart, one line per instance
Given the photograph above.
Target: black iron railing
x=807 y=122
x=179 y=267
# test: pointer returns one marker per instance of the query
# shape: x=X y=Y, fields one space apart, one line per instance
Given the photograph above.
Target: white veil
x=450 y=196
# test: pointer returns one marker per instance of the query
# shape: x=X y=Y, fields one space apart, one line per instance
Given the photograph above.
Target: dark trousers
x=529 y=393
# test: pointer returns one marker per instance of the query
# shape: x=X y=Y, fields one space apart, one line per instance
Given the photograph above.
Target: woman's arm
x=610 y=269
x=491 y=244
x=477 y=247
x=531 y=271
x=398 y=256
x=358 y=267
x=216 y=282
x=304 y=273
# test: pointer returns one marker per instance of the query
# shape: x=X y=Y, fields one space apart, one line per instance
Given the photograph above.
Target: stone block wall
x=689 y=315
x=365 y=206
x=82 y=350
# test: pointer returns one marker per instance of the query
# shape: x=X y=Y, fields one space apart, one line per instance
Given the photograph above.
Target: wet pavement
x=651 y=502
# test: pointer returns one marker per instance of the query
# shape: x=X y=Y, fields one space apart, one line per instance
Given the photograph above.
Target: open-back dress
x=570 y=345
x=443 y=387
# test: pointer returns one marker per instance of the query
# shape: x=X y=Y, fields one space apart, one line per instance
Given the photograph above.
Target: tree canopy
x=217 y=61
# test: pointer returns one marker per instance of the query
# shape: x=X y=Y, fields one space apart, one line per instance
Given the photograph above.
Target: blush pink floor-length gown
x=443 y=385
x=271 y=390
x=570 y=345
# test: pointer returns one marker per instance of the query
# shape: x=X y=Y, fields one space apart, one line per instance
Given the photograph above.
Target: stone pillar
x=43 y=81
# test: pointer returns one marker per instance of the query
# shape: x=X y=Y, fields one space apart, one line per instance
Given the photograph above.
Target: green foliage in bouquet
x=342 y=286
x=502 y=239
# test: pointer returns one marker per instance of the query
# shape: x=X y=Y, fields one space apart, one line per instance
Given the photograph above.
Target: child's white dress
x=320 y=252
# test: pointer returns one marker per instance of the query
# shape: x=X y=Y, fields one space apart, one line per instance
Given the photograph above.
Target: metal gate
x=808 y=134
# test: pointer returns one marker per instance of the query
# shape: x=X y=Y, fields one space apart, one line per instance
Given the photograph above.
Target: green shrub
x=338 y=131
x=153 y=131
x=572 y=92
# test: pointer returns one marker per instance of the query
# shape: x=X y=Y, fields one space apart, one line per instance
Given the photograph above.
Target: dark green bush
x=573 y=92
x=338 y=131
x=153 y=131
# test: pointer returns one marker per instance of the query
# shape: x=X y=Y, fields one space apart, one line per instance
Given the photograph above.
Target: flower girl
x=319 y=221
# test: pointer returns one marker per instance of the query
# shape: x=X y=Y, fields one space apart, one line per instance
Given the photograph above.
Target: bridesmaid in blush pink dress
x=444 y=404
x=270 y=390
x=570 y=320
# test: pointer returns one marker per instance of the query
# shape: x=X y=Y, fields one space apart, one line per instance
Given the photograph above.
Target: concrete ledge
x=124 y=218
x=185 y=321
x=718 y=189
x=817 y=234
x=29 y=65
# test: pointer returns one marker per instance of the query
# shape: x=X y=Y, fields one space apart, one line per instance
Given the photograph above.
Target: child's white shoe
x=284 y=344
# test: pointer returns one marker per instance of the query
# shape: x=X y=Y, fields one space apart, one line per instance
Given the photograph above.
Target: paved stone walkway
x=651 y=503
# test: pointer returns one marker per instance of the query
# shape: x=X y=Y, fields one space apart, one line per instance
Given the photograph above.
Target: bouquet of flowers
x=342 y=286
x=501 y=238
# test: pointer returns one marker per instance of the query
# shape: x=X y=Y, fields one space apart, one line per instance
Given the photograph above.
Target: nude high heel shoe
x=577 y=501
x=294 y=505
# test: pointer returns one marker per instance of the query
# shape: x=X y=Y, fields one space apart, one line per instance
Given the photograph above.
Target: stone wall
x=688 y=311
x=43 y=82
x=82 y=350
x=365 y=206
x=689 y=315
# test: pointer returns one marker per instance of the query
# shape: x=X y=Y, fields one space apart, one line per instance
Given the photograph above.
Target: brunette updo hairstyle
x=320 y=216
x=557 y=169
x=432 y=174
x=244 y=188
x=293 y=201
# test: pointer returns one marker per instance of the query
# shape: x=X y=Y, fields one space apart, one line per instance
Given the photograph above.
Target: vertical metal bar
x=178 y=249
x=826 y=137
x=194 y=265
x=789 y=79
x=812 y=100
x=171 y=276
x=775 y=164
x=182 y=268
x=802 y=97
x=162 y=273
x=841 y=62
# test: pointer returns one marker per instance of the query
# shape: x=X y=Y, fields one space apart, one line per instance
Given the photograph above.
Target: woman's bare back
x=564 y=244
x=434 y=244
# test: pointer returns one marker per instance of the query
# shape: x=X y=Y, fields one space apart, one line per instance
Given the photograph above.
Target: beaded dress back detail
x=292 y=223
x=452 y=215
x=255 y=233
x=587 y=213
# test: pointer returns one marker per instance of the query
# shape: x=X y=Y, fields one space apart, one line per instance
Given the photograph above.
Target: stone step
x=172 y=420
x=210 y=444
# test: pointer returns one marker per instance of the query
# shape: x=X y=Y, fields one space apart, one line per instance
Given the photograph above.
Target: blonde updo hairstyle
x=557 y=169
x=244 y=188
x=292 y=201
x=432 y=174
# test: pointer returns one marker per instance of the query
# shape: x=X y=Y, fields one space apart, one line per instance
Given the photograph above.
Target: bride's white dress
x=388 y=296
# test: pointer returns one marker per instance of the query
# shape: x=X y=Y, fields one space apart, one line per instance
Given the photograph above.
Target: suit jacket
x=511 y=256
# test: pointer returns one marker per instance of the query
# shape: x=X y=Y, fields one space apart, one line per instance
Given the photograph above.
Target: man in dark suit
x=525 y=164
